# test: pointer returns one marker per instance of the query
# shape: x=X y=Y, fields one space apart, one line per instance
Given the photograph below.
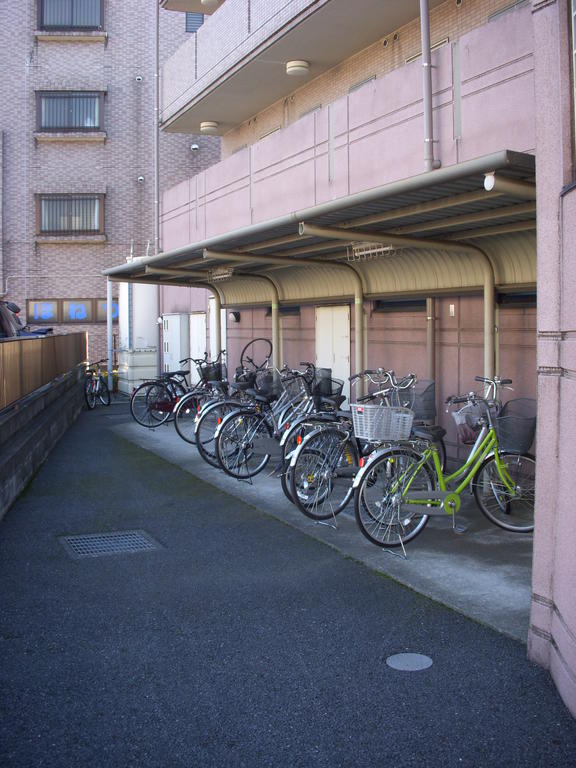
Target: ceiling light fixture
x=297 y=67
x=209 y=126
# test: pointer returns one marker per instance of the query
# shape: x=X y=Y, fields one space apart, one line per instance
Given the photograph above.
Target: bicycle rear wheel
x=103 y=392
x=243 y=444
x=150 y=404
x=321 y=473
x=511 y=509
x=381 y=512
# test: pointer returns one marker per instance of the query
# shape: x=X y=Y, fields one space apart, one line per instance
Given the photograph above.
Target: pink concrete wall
x=552 y=638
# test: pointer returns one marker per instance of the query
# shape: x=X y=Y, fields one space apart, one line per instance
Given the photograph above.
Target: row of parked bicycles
x=383 y=454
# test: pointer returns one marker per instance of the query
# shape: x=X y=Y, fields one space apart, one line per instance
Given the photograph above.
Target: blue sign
x=44 y=311
x=77 y=311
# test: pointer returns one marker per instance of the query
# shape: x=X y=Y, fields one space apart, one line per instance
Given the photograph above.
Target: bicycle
x=402 y=485
x=153 y=402
x=246 y=438
x=95 y=387
x=210 y=412
x=320 y=474
x=212 y=386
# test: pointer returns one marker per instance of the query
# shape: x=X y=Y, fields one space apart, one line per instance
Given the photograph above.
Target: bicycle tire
x=241 y=444
x=512 y=512
x=103 y=392
x=378 y=506
x=186 y=415
x=322 y=470
x=89 y=393
x=209 y=419
x=145 y=404
x=255 y=350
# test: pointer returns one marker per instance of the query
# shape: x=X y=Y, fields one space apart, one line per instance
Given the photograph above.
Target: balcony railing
x=483 y=102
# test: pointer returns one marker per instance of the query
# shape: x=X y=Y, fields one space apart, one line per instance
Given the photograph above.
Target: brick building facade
x=64 y=76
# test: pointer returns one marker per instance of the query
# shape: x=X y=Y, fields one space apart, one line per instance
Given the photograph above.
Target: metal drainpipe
x=429 y=162
x=109 y=333
x=157 y=173
x=430 y=338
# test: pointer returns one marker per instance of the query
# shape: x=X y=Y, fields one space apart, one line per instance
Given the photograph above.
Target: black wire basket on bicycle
x=325 y=387
x=516 y=425
x=211 y=372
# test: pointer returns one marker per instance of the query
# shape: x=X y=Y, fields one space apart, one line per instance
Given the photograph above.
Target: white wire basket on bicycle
x=381 y=422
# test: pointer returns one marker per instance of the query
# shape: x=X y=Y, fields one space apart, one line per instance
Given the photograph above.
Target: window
x=70 y=214
x=194 y=21
x=70 y=14
x=52 y=311
x=69 y=111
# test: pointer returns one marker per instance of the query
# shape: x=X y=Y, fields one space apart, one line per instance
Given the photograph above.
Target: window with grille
x=68 y=111
x=70 y=214
x=70 y=14
x=194 y=21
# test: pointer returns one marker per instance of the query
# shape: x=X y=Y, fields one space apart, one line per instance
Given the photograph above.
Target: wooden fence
x=26 y=364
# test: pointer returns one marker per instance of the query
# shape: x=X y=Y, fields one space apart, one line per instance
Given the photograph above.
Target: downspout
x=430 y=338
x=109 y=334
x=156 y=151
x=429 y=163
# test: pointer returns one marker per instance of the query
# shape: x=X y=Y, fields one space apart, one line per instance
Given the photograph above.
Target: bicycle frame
x=447 y=495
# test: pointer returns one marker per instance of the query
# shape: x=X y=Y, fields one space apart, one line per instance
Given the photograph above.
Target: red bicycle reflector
x=362 y=461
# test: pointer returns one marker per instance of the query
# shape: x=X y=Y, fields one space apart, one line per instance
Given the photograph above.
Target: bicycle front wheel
x=507 y=498
x=150 y=404
x=243 y=444
x=321 y=473
x=382 y=513
x=90 y=393
x=103 y=392
x=208 y=422
x=185 y=415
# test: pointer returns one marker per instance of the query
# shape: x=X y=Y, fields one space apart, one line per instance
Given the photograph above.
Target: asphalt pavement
x=154 y=616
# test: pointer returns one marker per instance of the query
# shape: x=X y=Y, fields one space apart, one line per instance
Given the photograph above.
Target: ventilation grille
x=115 y=543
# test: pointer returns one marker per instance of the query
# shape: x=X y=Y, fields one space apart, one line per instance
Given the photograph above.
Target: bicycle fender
x=368 y=461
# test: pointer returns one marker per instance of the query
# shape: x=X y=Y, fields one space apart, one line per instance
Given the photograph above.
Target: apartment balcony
x=197 y=6
x=236 y=64
x=483 y=103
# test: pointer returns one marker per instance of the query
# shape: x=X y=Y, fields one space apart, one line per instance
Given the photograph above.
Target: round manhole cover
x=409 y=662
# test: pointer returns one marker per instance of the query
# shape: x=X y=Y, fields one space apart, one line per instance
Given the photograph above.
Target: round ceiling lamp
x=297 y=67
x=209 y=126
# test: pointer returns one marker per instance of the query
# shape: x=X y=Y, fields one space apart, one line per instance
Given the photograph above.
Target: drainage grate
x=116 y=543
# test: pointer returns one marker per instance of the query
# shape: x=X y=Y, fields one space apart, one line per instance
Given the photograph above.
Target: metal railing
x=26 y=364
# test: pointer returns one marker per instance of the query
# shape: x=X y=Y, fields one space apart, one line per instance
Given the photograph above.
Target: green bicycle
x=402 y=485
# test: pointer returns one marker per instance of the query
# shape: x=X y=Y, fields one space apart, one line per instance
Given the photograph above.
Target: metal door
x=333 y=342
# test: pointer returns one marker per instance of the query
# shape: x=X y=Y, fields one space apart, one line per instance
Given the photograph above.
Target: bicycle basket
x=516 y=425
x=210 y=372
x=468 y=423
x=424 y=406
x=268 y=382
x=380 y=422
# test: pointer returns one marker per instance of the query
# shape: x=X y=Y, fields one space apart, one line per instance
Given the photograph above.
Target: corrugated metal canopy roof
x=447 y=211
